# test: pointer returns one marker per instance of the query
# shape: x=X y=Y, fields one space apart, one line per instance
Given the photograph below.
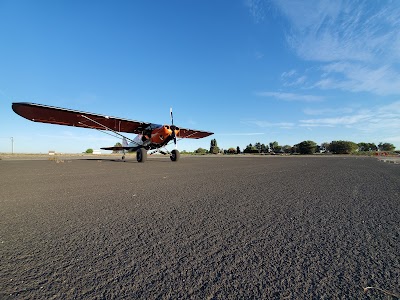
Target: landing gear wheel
x=175 y=155
x=123 y=157
x=141 y=155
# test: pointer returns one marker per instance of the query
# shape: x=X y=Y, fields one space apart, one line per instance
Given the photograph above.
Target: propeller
x=173 y=127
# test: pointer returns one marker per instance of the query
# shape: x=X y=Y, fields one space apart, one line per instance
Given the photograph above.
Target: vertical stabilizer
x=124 y=142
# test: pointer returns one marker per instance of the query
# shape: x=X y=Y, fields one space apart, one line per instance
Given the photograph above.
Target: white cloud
x=379 y=123
x=267 y=124
x=342 y=121
x=357 y=43
x=342 y=30
x=257 y=9
x=289 y=74
x=240 y=134
x=291 y=96
x=292 y=78
x=356 y=78
x=392 y=139
x=381 y=119
x=325 y=111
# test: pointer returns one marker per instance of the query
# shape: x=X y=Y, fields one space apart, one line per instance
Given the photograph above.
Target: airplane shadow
x=132 y=160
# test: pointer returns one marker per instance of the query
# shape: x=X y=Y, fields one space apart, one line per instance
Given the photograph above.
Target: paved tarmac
x=202 y=228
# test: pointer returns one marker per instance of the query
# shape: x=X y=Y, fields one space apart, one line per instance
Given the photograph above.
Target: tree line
x=310 y=147
x=305 y=147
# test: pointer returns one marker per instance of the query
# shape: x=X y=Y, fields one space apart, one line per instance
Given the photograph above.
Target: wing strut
x=105 y=127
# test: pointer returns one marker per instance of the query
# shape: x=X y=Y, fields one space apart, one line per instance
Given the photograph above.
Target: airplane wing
x=68 y=117
x=192 y=133
x=61 y=116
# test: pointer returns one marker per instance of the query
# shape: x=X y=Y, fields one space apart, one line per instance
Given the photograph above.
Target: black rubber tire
x=175 y=155
x=141 y=155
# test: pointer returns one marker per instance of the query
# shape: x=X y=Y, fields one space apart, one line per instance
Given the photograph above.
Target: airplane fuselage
x=154 y=138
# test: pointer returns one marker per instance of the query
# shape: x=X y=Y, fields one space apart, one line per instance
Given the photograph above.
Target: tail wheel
x=175 y=155
x=141 y=155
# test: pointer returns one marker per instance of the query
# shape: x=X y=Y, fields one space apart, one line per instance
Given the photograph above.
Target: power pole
x=12 y=145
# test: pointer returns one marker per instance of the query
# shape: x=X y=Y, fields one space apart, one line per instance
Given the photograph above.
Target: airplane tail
x=125 y=146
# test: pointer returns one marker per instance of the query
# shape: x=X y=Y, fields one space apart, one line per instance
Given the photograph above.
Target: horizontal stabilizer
x=120 y=148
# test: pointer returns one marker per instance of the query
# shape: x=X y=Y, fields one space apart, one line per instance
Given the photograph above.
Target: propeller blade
x=173 y=127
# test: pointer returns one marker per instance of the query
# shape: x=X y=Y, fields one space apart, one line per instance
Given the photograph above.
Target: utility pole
x=12 y=145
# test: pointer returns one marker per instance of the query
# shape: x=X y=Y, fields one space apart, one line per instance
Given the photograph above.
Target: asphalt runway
x=202 y=228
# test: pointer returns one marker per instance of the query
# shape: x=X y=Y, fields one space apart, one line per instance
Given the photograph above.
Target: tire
x=175 y=155
x=141 y=155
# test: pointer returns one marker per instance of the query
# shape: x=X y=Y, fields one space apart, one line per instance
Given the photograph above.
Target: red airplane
x=150 y=136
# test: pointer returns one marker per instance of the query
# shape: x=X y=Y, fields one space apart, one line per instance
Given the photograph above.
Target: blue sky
x=248 y=70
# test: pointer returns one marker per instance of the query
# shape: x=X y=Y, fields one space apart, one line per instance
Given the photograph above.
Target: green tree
x=258 y=146
x=342 y=147
x=237 y=150
x=118 y=144
x=231 y=150
x=250 y=149
x=295 y=149
x=264 y=148
x=90 y=150
x=214 y=149
x=386 y=147
x=363 y=146
x=274 y=146
x=372 y=147
x=200 y=151
x=287 y=149
x=367 y=147
x=325 y=146
x=307 y=147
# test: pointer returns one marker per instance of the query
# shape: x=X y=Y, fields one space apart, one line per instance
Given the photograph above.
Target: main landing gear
x=174 y=155
x=141 y=155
